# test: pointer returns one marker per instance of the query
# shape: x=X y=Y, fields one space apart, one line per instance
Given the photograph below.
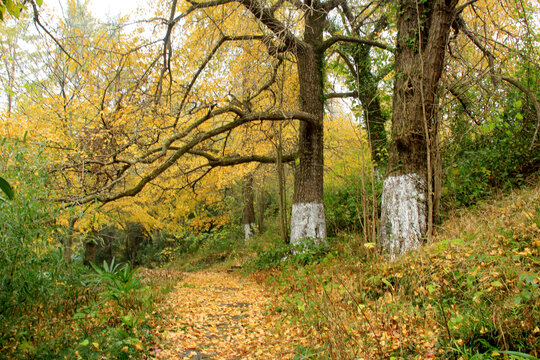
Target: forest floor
x=218 y=315
x=471 y=294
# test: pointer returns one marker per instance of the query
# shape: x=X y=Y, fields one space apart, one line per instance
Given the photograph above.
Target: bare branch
x=350 y=94
x=460 y=9
x=464 y=103
x=351 y=39
x=266 y=16
x=38 y=22
x=167 y=50
x=461 y=24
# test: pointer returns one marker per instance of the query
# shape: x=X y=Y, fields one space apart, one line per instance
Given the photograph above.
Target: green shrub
x=287 y=254
x=119 y=282
x=344 y=204
x=491 y=156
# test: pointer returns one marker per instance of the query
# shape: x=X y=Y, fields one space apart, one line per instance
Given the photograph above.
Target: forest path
x=217 y=315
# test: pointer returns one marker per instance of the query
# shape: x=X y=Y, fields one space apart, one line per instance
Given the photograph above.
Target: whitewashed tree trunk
x=406 y=209
x=249 y=208
x=249 y=230
x=404 y=214
x=308 y=221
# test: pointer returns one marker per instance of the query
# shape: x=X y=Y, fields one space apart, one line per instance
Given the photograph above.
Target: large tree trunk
x=249 y=208
x=308 y=219
x=407 y=204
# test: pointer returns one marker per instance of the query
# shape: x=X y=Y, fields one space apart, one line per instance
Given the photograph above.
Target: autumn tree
x=284 y=35
x=279 y=35
x=412 y=191
x=364 y=68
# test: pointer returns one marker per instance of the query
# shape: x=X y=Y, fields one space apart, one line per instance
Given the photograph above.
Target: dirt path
x=212 y=315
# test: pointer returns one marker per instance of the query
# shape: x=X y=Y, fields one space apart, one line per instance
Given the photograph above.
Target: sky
x=102 y=9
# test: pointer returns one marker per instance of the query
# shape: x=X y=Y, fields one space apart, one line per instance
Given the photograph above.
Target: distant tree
x=249 y=208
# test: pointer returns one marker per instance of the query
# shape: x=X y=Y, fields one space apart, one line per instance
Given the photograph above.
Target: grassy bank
x=471 y=294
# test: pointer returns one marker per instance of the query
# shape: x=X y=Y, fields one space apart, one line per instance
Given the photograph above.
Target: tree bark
x=308 y=219
x=90 y=251
x=261 y=207
x=407 y=206
x=367 y=93
x=281 y=190
x=249 y=208
x=68 y=241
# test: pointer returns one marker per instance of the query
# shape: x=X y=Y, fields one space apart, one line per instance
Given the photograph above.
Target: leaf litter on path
x=215 y=315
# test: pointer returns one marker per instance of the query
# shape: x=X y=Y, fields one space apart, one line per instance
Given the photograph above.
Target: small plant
x=118 y=281
x=6 y=188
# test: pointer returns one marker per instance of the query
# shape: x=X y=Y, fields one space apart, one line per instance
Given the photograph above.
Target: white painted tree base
x=249 y=230
x=404 y=214
x=308 y=224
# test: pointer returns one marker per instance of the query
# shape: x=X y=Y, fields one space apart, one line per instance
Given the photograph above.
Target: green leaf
x=7 y=189
x=26 y=345
x=527 y=278
x=85 y=342
x=519 y=354
x=496 y=284
x=39 y=2
x=13 y=8
x=387 y=283
x=519 y=116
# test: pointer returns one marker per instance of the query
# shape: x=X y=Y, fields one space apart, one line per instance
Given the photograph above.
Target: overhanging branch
x=237 y=159
x=189 y=146
x=349 y=94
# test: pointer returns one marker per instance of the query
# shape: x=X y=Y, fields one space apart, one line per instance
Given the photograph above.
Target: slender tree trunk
x=308 y=219
x=68 y=241
x=367 y=93
x=423 y=29
x=437 y=172
x=249 y=208
x=90 y=250
x=281 y=191
x=261 y=207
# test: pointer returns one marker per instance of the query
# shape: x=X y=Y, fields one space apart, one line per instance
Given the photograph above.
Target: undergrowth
x=106 y=314
x=472 y=294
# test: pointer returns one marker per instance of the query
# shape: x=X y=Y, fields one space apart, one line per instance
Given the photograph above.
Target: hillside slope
x=471 y=294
